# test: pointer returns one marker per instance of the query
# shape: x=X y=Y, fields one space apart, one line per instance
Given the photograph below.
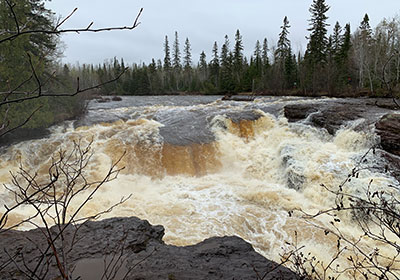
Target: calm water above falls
x=203 y=167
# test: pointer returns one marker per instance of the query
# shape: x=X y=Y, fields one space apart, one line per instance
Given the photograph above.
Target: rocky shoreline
x=144 y=255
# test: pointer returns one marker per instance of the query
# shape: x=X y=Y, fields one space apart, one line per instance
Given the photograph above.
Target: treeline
x=366 y=61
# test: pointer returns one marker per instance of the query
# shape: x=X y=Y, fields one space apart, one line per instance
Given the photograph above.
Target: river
x=203 y=167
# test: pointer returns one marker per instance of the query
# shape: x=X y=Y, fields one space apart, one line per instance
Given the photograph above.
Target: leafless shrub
x=375 y=254
x=51 y=199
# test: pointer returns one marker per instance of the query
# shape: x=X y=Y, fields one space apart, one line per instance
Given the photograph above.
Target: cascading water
x=202 y=167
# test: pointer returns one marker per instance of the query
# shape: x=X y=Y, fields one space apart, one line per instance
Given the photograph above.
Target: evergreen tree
x=238 y=51
x=187 y=59
x=316 y=48
x=257 y=50
x=345 y=44
x=214 y=66
x=363 y=48
x=226 y=77
x=258 y=58
x=225 y=52
x=265 y=51
x=167 y=66
x=167 y=55
x=284 y=67
x=337 y=38
x=203 y=66
x=187 y=64
x=14 y=63
x=265 y=64
x=290 y=69
x=283 y=46
x=238 y=60
x=176 y=54
x=315 y=57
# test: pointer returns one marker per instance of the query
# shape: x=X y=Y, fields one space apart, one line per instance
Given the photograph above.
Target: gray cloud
x=203 y=22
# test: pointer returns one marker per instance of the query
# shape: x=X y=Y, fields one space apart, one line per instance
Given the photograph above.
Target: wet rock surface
x=388 y=128
x=144 y=255
x=337 y=113
x=23 y=134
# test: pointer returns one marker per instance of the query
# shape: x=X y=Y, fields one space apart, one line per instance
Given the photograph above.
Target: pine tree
x=167 y=55
x=14 y=65
x=337 y=38
x=176 y=54
x=167 y=66
x=283 y=46
x=238 y=60
x=226 y=78
x=315 y=56
x=225 y=52
x=283 y=58
x=214 y=65
x=265 y=51
x=257 y=59
x=187 y=59
x=203 y=66
x=363 y=49
x=316 y=49
x=238 y=51
x=290 y=69
x=346 y=43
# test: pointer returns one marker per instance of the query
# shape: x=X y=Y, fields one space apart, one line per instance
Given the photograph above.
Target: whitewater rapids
x=202 y=167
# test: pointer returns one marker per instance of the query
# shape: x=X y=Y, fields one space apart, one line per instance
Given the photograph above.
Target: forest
x=337 y=62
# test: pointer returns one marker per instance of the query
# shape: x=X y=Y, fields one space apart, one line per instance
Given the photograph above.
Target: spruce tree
x=227 y=83
x=315 y=57
x=336 y=38
x=214 y=65
x=363 y=42
x=283 y=57
x=187 y=59
x=238 y=60
x=283 y=46
x=167 y=55
x=225 y=52
x=167 y=65
x=176 y=54
x=238 y=51
x=316 y=48
x=265 y=51
x=257 y=58
x=203 y=66
x=346 y=43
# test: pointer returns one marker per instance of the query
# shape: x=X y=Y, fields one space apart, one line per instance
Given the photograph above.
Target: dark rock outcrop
x=145 y=256
x=297 y=112
x=388 y=128
x=335 y=114
x=23 y=134
x=331 y=116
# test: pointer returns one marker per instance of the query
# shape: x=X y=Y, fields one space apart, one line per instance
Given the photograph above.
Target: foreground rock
x=144 y=255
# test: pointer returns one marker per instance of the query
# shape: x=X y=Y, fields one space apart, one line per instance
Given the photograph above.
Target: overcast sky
x=203 y=22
